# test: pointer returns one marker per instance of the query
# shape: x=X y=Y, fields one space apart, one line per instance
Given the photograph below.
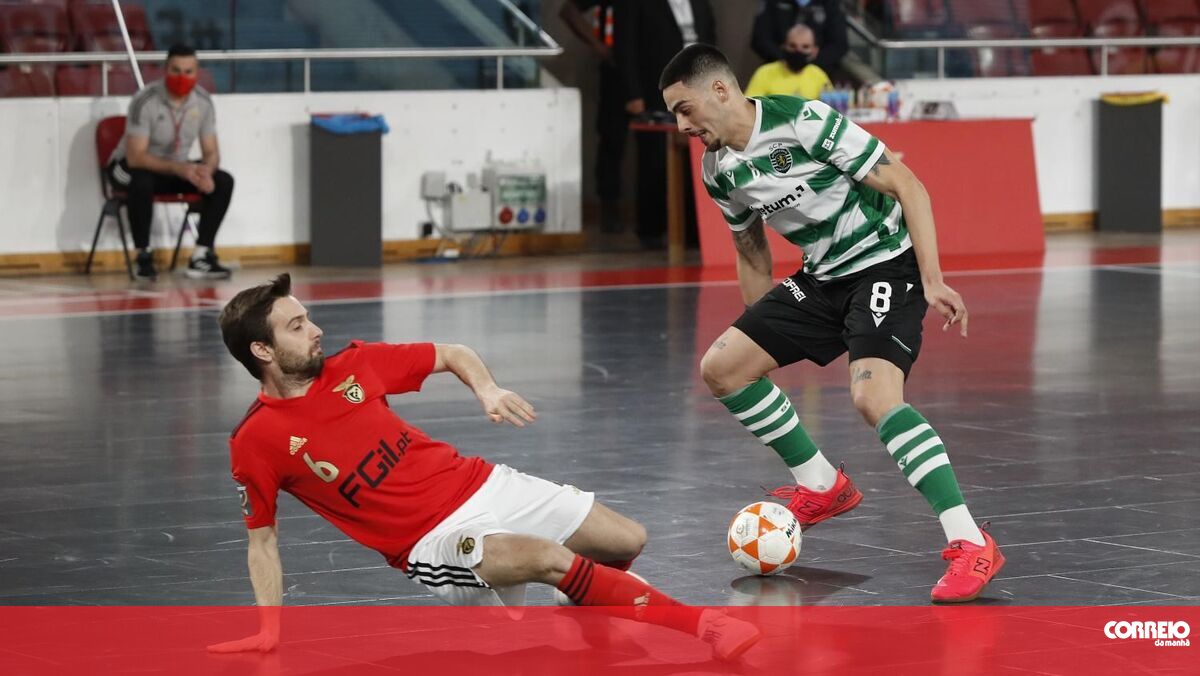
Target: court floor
x=1070 y=415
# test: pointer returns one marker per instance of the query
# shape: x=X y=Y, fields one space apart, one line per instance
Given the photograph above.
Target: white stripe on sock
x=760 y=406
x=927 y=467
x=771 y=418
x=898 y=443
x=916 y=452
x=787 y=427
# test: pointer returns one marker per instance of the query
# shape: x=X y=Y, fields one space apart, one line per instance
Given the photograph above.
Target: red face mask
x=180 y=85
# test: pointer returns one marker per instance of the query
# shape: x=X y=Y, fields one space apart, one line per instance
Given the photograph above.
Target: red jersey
x=340 y=450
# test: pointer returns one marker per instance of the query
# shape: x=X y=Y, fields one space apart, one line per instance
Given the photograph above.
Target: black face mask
x=796 y=61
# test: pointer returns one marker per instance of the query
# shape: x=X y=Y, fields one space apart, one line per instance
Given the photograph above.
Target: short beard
x=300 y=368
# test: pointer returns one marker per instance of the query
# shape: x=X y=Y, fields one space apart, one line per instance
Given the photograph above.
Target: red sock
x=619 y=565
x=590 y=585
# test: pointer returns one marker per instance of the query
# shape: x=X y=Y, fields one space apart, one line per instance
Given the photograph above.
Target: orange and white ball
x=764 y=538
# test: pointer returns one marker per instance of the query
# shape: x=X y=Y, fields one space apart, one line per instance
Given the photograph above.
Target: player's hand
x=263 y=642
x=949 y=304
x=635 y=107
x=502 y=406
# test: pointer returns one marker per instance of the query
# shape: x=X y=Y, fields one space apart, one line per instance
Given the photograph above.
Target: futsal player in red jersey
x=472 y=532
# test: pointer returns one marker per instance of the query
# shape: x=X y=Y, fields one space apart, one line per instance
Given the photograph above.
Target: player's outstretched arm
x=499 y=404
x=753 y=262
x=266 y=576
x=891 y=177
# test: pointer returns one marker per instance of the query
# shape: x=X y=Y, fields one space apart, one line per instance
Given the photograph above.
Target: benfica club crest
x=781 y=158
x=352 y=391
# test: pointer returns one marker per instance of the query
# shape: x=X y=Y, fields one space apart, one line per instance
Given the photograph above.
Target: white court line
x=1146 y=549
x=22 y=285
x=556 y=290
x=1153 y=271
x=42 y=300
x=1114 y=586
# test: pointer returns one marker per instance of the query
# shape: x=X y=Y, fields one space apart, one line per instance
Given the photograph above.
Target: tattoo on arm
x=860 y=375
x=883 y=159
x=751 y=242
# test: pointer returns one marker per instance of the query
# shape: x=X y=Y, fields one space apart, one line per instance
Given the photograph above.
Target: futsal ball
x=764 y=538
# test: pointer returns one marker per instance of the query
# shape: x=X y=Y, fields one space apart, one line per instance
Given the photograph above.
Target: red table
x=980 y=175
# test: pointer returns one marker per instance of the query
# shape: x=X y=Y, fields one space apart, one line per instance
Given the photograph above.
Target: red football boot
x=971 y=568
x=812 y=507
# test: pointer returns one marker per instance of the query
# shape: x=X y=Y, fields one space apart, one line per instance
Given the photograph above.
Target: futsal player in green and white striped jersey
x=870 y=272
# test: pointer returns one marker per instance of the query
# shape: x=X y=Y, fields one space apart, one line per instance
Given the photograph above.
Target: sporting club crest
x=781 y=158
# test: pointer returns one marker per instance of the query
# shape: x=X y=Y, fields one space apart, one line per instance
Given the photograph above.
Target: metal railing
x=305 y=55
x=549 y=47
x=1104 y=44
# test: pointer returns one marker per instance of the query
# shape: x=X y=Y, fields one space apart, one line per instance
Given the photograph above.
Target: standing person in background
x=599 y=33
x=825 y=17
x=871 y=270
x=165 y=119
x=651 y=33
x=795 y=74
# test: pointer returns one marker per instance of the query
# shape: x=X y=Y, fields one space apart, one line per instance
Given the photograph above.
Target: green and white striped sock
x=764 y=410
x=919 y=453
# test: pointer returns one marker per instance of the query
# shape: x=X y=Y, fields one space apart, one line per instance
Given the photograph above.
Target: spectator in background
x=612 y=122
x=795 y=74
x=651 y=33
x=824 y=17
x=165 y=119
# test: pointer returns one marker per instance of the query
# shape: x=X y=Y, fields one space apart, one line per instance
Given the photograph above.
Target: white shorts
x=508 y=502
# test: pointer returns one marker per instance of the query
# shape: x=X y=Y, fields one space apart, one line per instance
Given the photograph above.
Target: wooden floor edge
x=1086 y=220
x=58 y=263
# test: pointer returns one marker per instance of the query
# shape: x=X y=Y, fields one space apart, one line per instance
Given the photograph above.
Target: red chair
x=88 y=80
x=1030 y=13
x=975 y=12
x=910 y=17
x=24 y=80
x=108 y=134
x=1165 y=11
x=1178 y=59
x=33 y=29
x=96 y=28
x=1115 y=19
x=1059 y=60
x=993 y=62
x=1053 y=19
x=1174 y=18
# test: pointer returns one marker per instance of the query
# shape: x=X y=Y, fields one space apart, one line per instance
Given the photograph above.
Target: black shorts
x=873 y=313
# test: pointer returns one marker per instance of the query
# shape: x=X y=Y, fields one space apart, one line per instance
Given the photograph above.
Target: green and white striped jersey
x=800 y=173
